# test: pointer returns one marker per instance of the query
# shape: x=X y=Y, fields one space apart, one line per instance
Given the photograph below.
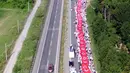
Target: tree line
x=110 y=25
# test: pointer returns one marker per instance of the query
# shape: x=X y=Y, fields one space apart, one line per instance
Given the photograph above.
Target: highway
x=48 y=45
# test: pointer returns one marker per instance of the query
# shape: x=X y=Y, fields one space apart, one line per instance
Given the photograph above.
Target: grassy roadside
x=90 y=16
x=9 y=21
x=27 y=53
x=64 y=23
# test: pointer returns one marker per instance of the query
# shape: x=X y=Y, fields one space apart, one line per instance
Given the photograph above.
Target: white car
x=72 y=70
x=71 y=52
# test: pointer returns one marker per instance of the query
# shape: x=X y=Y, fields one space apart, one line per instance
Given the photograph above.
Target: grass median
x=64 y=24
x=28 y=51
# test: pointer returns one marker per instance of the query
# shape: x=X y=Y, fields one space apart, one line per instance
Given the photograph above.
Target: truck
x=71 y=52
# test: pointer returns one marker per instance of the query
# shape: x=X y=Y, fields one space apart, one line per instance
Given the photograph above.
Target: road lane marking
x=51 y=43
x=54 y=21
x=55 y=29
x=56 y=12
x=55 y=17
x=56 y=9
x=47 y=63
x=49 y=53
x=52 y=34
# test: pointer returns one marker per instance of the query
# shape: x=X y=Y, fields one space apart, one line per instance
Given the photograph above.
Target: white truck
x=71 y=52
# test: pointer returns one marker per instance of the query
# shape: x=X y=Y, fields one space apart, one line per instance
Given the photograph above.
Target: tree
x=128 y=46
x=125 y=32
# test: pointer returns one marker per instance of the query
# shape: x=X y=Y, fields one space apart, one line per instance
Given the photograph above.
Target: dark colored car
x=71 y=63
x=50 y=68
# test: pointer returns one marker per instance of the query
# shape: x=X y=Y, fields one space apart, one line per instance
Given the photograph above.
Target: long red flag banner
x=83 y=53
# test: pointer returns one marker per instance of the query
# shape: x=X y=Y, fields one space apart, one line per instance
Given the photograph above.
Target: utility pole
x=28 y=6
x=18 y=25
x=105 y=15
x=5 y=51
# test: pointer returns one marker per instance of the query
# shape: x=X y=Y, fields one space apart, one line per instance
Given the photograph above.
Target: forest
x=110 y=26
x=22 y=4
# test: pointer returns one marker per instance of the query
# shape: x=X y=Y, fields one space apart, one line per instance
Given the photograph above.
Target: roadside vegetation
x=28 y=51
x=64 y=24
x=109 y=22
x=20 y=4
x=11 y=23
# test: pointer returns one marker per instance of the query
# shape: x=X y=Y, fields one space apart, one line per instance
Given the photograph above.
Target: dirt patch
x=88 y=3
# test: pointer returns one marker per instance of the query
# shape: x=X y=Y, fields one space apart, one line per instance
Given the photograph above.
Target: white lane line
x=47 y=63
x=54 y=29
x=56 y=11
x=54 y=21
x=55 y=16
x=50 y=50
x=52 y=34
x=51 y=43
x=49 y=53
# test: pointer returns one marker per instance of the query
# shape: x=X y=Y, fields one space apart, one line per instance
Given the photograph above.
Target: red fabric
x=85 y=69
x=82 y=46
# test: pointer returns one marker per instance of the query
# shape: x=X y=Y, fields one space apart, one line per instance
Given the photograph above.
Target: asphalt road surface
x=73 y=39
x=51 y=40
x=50 y=47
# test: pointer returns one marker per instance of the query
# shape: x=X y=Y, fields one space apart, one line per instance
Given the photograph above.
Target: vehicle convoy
x=50 y=68
x=71 y=59
x=71 y=56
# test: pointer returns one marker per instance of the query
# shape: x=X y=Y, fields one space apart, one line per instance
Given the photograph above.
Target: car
x=72 y=70
x=50 y=68
x=71 y=63
x=71 y=52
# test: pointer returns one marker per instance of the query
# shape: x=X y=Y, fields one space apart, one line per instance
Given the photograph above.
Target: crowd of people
x=86 y=37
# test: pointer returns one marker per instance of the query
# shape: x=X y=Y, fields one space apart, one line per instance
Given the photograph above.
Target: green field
x=9 y=22
x=28 y=51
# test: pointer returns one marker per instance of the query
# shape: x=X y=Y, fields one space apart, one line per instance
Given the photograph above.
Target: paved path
x=20 y=40
x=49 y=47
